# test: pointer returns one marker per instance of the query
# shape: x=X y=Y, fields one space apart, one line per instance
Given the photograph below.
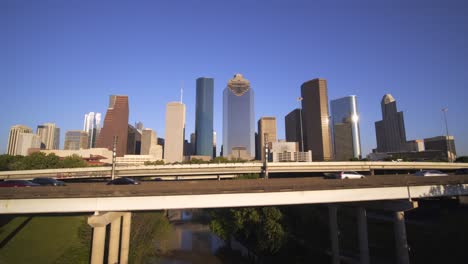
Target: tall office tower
x=161 y=142
x=238 y=117
x=92 y=125
x=293 y=124
x=76 y=140
x=133 y=141
x=214 y=144
x=204 y=117
x=390 y=131
x=15 y=132
x=115 y=125
x=345 y=126
x=266 y=133
x=193 y=144
x=149 y=144
x=148 y=139
x=50 y=136
x=175 y=132
x=315 y=118
x=26 y=142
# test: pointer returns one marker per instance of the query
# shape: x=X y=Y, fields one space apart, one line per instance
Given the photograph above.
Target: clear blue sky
x=62 y=59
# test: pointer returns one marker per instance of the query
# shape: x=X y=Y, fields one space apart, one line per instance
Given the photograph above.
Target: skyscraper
x=50 y=136
x=315 y=118
x=292 y=124
x=115 y=125
x=238 y=117
x=266 y=133
x=390 y=131
x=149 y=144
x=345 y=124
x=133 y=140
x=214 y=144
x=204 y=117
x=92 y=125
x=76 y=140
x=14 y=136
x=175 y=132
x=27 y=141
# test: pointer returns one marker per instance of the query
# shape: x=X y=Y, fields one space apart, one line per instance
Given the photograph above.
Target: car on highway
x=123 y=181
x=48 y=182
x=348 y=175
x=18 y=183
x=461 y=171
x=430 y=173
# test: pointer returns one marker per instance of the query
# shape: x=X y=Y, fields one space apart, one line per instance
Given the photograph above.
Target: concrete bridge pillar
x=97 y=251
x=125 y=246
x=114 y=241
x=401 y=242
x=99 y=222
x=333 y=222
x=363 y=236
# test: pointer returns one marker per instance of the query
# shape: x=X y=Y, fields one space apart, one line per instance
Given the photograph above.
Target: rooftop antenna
x=181 y=91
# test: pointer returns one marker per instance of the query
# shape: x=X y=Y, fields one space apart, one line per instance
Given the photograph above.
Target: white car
x=430 y=173
x=349 y=175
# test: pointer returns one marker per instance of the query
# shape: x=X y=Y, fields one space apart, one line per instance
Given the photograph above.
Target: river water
x=191 y=242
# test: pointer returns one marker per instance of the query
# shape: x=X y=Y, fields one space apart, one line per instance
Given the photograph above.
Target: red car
x=18 y=183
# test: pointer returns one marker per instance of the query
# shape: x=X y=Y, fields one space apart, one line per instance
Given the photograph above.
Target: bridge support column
x=125 y=246
x=114 y=241
x=363 y=236
x=97 y=251
x=333 y=222
x=99 y=223
x=401 y=243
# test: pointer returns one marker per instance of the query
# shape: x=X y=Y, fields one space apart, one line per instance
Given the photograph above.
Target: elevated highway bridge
x=112 y=205
x=229 y=169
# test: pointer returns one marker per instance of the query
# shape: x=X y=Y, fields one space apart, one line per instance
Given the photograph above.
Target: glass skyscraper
x=92 y=125
x=345 y=127
x=204 y=117
x=238 y=118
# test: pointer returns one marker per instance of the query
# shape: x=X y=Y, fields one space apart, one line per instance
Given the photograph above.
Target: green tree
x=6 y=161
x=73 y=161
x=463 y=159
x=260 y=229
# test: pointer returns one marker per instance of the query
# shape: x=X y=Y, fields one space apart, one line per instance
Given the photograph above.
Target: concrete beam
x=392 y=206
x=103 y=219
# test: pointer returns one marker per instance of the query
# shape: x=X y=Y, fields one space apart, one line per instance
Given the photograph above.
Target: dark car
x=48 y=182
x=462 y=171
x=123 y=181
x=18 y=183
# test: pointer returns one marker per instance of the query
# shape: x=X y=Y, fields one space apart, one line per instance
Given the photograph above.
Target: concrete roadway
x=165 y=188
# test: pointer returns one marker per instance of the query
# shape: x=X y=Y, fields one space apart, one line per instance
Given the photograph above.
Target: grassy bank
x=44 y=239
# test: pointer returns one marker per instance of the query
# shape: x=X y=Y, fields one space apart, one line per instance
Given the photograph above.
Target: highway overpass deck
x=82 y=197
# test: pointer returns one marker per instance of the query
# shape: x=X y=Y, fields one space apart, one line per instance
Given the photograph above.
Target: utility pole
x=449 y=147
x=114 y=155
x=265 y=162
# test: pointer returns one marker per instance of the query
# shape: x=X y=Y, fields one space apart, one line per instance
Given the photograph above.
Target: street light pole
x=114 y=155
x=449 y=147
x=299 y=99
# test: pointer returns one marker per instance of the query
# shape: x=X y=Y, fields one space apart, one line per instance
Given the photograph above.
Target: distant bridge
x=226 y=169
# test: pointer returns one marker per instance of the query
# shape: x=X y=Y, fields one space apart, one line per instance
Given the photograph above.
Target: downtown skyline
x=408 y=59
